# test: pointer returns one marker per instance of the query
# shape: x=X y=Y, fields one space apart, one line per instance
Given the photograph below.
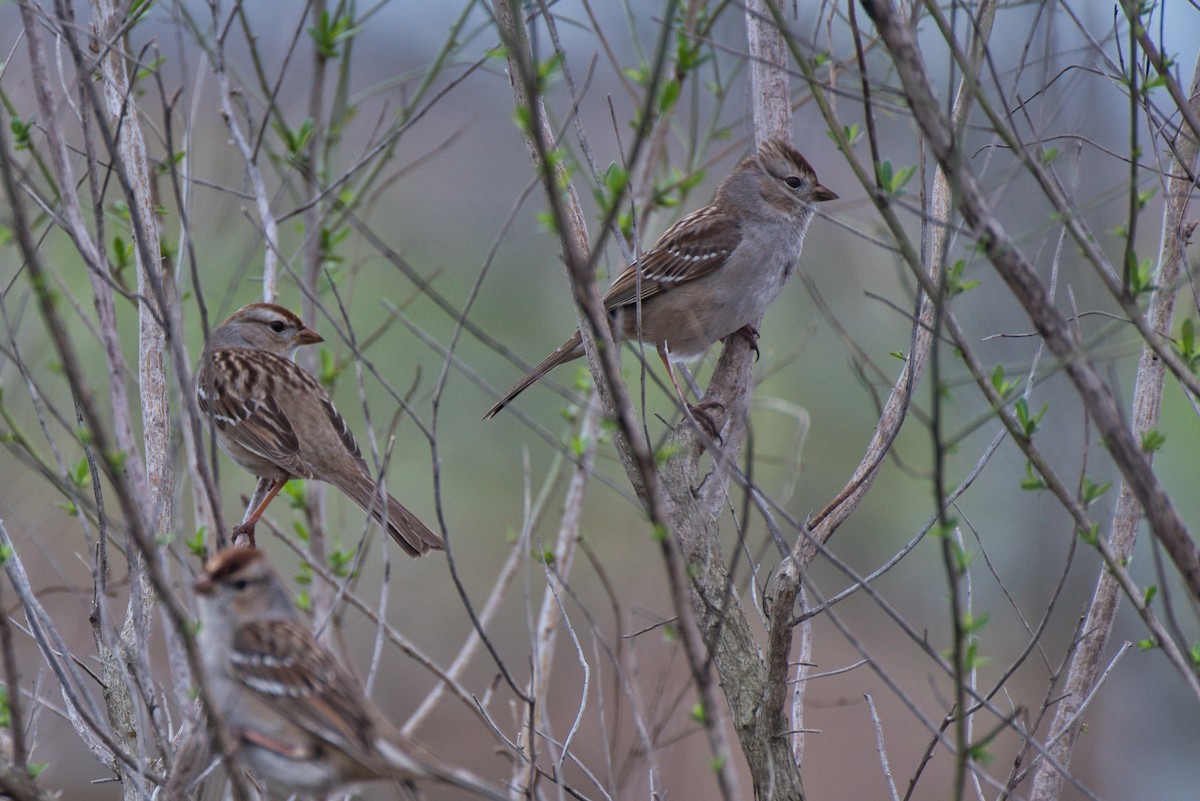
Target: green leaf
x=891 y=180
x=1092 y=491
x=329 y=33
x=1032 y=482
x=1029 y=423
x=974 y=623
x=669 y=96
x=294 y=493
x=195 y=543
x=1152 y=440
x=1003 y=388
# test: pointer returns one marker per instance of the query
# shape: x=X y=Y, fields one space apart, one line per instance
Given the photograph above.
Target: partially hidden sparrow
x=276 y=421
x=713 y=273
x=300 y=722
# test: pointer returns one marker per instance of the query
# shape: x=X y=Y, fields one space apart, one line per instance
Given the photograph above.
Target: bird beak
x=307 y=336
x=204 y=584
x=821 y=193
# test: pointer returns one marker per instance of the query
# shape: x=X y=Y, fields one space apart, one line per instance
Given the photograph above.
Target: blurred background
x=456 y=199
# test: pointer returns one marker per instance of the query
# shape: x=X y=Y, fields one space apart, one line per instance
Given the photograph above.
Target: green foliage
x=327 y=369
x=1149 y=594
x=852 y=134
x=1032 y=482
x=891 y=180
x=1185 y=346
x=196 y=543
x=1139 y=274
x=150 y=68
x=295 y=492
x=1091 y=491
x=1003 y=388
x=546 y=69
x=978 y=753
x=1152 y=440
x=340 y=560
x=116 y=460
x=954 y=284
x=669 y=96
x=973 y=624
x=22 y=131
x=945 y=528
x=971 y=657
x=295 y=141
x=122 y=254
x=1029 y=423
x=330 y=33
x=80 y=474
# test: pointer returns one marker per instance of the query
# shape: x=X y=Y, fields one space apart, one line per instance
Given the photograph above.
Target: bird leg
x=698 y=412
x=267 y=489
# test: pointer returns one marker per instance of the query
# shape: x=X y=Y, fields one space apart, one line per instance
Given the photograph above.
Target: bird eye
x=239 y=584
x=277 y=326
x=793 y=181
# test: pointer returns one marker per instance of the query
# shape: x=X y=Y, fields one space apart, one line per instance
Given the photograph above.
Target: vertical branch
x=770 y=93
x=545 y=636
x=315 y=492
x=118 y=699
x=152 y=377
x=262 y=200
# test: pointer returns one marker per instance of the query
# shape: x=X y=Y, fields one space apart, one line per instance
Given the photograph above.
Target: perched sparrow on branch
x=713 y=273
x=300 y=721
x=275 y=420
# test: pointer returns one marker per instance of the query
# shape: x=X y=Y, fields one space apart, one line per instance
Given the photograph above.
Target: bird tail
x=414 y=537
x=405 y=762
x=571 y=349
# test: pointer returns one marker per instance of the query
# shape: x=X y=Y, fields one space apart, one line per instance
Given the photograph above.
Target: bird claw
x=243 y=534
x=704 y=419
x=750 y=334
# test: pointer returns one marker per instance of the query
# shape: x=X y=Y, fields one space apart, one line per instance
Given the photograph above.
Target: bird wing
x=693 y=247
x=241 y=394
x=282 y=660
